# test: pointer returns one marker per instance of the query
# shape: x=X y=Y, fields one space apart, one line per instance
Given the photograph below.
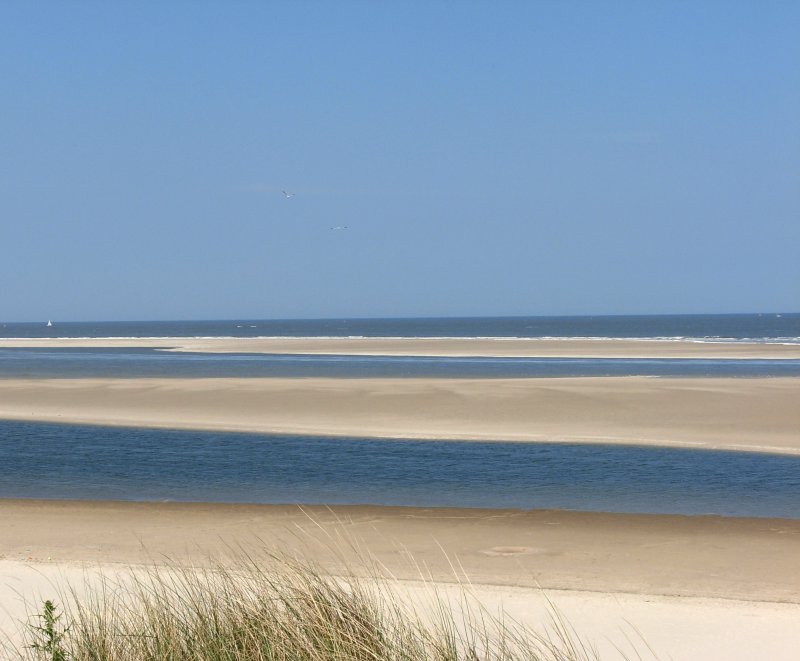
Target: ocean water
x=85 y=462
x=773 y=327
x=153 y=363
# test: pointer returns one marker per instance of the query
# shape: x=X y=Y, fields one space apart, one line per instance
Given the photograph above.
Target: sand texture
x=705 y=556
x=736 y=414
x=695 y=587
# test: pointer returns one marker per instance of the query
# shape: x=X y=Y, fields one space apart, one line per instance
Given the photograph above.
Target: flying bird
x=339 y=227
x=287 y=195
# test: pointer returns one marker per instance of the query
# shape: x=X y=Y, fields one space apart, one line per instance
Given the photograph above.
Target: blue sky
x=487 y=159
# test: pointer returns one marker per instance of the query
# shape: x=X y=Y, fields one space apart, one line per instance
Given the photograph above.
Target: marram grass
x=278 y=609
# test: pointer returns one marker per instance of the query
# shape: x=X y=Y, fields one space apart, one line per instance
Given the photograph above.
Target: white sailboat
x=49 y=323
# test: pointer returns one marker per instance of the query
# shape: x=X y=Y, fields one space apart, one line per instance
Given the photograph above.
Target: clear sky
x=487 y=158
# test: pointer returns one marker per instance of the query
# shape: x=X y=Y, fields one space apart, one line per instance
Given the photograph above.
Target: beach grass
x=279 y=608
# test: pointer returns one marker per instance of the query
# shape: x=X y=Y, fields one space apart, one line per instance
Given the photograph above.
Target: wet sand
x=704 y=556
x=717 y=413
x=489 y=347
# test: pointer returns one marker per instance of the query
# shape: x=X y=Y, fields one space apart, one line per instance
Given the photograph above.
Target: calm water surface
x=152 y=363
x=54 y=461
x=84 y=462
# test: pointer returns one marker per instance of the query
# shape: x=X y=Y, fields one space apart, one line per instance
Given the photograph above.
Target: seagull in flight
x=339 y=228
x=287 y=195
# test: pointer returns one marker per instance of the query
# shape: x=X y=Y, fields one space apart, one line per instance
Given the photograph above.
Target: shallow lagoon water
x=154 y=363
x=87 y=462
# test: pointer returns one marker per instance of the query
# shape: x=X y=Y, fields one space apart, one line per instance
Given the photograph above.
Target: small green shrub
x=47 y=640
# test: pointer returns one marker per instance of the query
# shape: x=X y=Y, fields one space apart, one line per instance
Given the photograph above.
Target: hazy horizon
x=398 y=317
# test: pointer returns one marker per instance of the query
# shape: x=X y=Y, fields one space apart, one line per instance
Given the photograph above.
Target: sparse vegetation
x=46 y=634
x=279 y=610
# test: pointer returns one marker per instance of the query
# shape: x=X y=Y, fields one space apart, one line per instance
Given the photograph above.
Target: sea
x=767 y=327
x=93 y=462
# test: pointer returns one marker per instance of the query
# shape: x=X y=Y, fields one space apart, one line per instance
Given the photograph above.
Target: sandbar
x=453 y=347
x=715 y=413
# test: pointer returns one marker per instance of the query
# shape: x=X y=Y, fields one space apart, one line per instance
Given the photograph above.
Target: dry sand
x=695 y=587
x=680 y=628
x=508 y=347
x=736 y=414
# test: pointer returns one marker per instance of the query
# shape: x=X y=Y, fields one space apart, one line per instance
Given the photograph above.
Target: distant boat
x=49 y=323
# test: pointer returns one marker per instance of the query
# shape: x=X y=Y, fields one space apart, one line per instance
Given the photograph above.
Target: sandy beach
x=353 y=284
x=734 y=414
x=489 y=347
x=695 y=587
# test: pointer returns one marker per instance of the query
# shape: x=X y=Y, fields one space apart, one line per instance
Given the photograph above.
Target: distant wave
x=676 y=338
